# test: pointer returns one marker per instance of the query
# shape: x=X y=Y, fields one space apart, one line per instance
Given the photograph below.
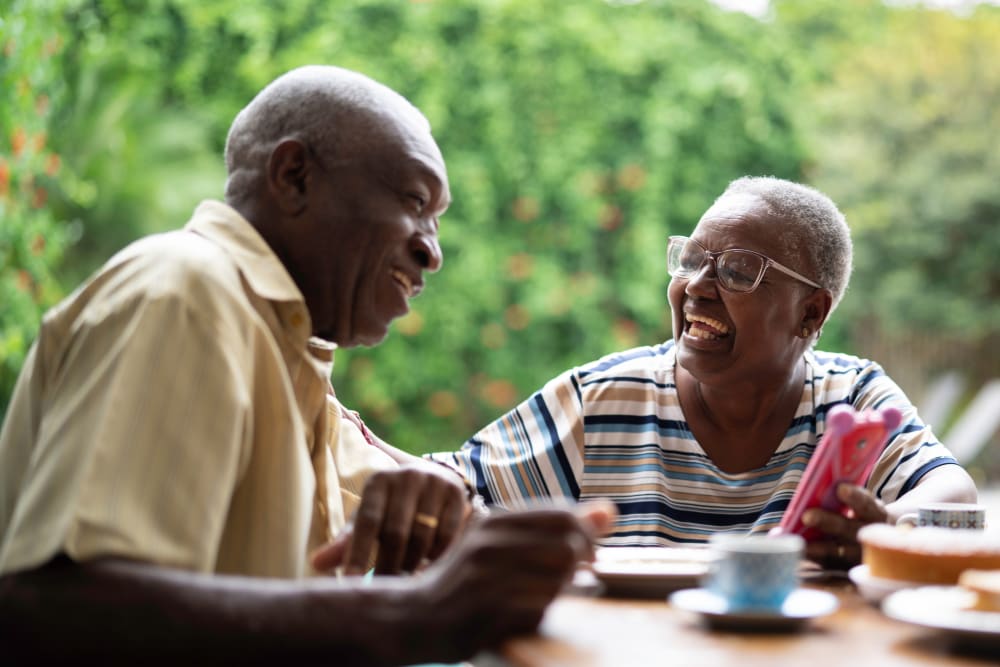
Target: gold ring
x=841 y=551
x=428 y=520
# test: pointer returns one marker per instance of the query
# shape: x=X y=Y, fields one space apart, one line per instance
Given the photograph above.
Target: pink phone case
x=846 y=453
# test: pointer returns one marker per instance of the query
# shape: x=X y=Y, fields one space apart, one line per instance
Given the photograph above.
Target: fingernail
x=843 y=492
x=809 y=518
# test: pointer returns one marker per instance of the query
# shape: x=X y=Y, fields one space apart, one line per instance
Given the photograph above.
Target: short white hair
x=336 y=112
x=810 y=226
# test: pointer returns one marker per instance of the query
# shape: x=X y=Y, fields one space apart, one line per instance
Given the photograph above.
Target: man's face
x=728 y=337
x=372 y=227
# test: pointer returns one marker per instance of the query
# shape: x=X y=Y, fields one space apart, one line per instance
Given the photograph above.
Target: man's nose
x=427 y=252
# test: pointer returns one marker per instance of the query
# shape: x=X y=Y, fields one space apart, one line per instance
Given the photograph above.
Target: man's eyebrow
x=422 y=169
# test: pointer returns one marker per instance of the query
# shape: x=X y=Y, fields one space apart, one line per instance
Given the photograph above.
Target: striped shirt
x=614 y=428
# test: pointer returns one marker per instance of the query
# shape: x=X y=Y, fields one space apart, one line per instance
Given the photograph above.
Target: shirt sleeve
x=147 y=429
x=912 y=451
x=534 y=451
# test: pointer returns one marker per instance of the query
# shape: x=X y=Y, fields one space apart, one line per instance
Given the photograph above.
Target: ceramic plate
x=649 y=572
x=802 y=605
x=944 y=608
x=876 y=589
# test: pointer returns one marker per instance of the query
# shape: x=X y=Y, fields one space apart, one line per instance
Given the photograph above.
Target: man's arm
x=495 y=584
x=136 y=612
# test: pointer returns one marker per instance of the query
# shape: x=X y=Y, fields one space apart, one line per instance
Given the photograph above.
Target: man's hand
x=841 y=549
x=500 y=576
x=408 y=515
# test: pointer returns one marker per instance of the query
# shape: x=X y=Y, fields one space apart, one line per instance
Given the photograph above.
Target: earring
x=805 y=332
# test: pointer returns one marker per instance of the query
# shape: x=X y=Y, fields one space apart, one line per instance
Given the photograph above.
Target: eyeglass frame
x=710 y=255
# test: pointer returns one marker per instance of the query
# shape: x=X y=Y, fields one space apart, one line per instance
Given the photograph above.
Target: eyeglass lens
x=736 y=270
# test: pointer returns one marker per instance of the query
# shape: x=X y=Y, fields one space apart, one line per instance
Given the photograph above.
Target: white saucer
x=876 y=589
x=945 y=608
x=802 y=605
x=649 y=572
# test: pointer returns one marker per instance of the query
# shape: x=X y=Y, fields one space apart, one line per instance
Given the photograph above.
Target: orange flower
x=38 y=244
x=499 y=393
x=611 y=217
x=4 y=178
x=410 y=324
x=40 y=197
x=526 y=209
x=17 y=140
x=520 y=265
x=24 y=281
x=442 y=404
x=52 y=164
x=517 y=317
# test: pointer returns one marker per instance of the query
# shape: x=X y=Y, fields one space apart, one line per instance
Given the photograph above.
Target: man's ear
x=287 y=169
x=816 y=309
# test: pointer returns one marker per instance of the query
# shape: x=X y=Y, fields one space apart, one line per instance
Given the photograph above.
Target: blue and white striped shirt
x=614 y=428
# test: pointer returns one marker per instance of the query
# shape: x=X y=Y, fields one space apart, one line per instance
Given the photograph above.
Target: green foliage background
x=578 y=135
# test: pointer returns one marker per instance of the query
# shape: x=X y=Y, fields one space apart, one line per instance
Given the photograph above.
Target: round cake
x=986 y=586
x=925 y=554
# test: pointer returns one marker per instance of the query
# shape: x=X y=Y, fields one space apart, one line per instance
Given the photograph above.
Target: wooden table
x=590 y=631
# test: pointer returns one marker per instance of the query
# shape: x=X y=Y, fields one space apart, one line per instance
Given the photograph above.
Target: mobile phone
x=846 y=453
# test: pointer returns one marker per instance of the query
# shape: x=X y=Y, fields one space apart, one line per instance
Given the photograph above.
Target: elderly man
x=171 y=453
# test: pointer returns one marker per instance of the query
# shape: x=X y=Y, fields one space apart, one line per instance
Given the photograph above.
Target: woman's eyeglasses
x=736 y=270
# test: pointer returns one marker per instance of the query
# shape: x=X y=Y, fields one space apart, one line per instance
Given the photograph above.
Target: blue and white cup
x=962 y=516
x=754 y=572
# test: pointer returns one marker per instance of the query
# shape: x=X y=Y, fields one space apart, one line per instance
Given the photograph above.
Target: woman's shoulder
x=839 y=363
x=641 y=360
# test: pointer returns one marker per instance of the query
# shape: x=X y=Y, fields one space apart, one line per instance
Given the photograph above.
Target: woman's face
x=731 y=338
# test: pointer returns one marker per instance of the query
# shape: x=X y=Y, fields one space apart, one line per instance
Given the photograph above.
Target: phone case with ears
x=846 y=453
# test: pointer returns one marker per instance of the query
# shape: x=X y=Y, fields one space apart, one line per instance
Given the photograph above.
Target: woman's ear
x=287 y=169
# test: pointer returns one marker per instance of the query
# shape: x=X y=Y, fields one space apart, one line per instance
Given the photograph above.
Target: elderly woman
x=711 y=431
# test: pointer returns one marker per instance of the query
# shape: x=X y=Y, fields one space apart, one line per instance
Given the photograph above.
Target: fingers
x=831 y=554
x=424 y=525
x=597 y=515
x=452 y=518
x=367 y=524
x=331 y=555
x=398 y=528
x=409 y=515
x=863 y=503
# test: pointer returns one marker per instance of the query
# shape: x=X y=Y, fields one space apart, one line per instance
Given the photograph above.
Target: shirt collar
x=263 y=272
x=258 y=264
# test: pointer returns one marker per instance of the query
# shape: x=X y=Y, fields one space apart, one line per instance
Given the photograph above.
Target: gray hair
x=813 y=227
x=336 y=112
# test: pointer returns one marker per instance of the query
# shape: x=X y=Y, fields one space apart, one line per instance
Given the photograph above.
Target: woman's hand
x=840 y=549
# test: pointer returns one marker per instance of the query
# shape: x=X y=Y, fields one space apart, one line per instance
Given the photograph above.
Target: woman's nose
x=704 y=280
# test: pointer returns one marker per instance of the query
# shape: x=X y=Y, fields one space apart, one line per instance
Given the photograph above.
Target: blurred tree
x=577 y=135
x=908 y=131
x=32 y=239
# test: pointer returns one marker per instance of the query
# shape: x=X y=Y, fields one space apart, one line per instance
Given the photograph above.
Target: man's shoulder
x=176 y=267
x=179 y=263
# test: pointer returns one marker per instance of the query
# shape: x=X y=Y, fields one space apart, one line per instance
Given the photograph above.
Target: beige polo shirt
x=175 y=410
